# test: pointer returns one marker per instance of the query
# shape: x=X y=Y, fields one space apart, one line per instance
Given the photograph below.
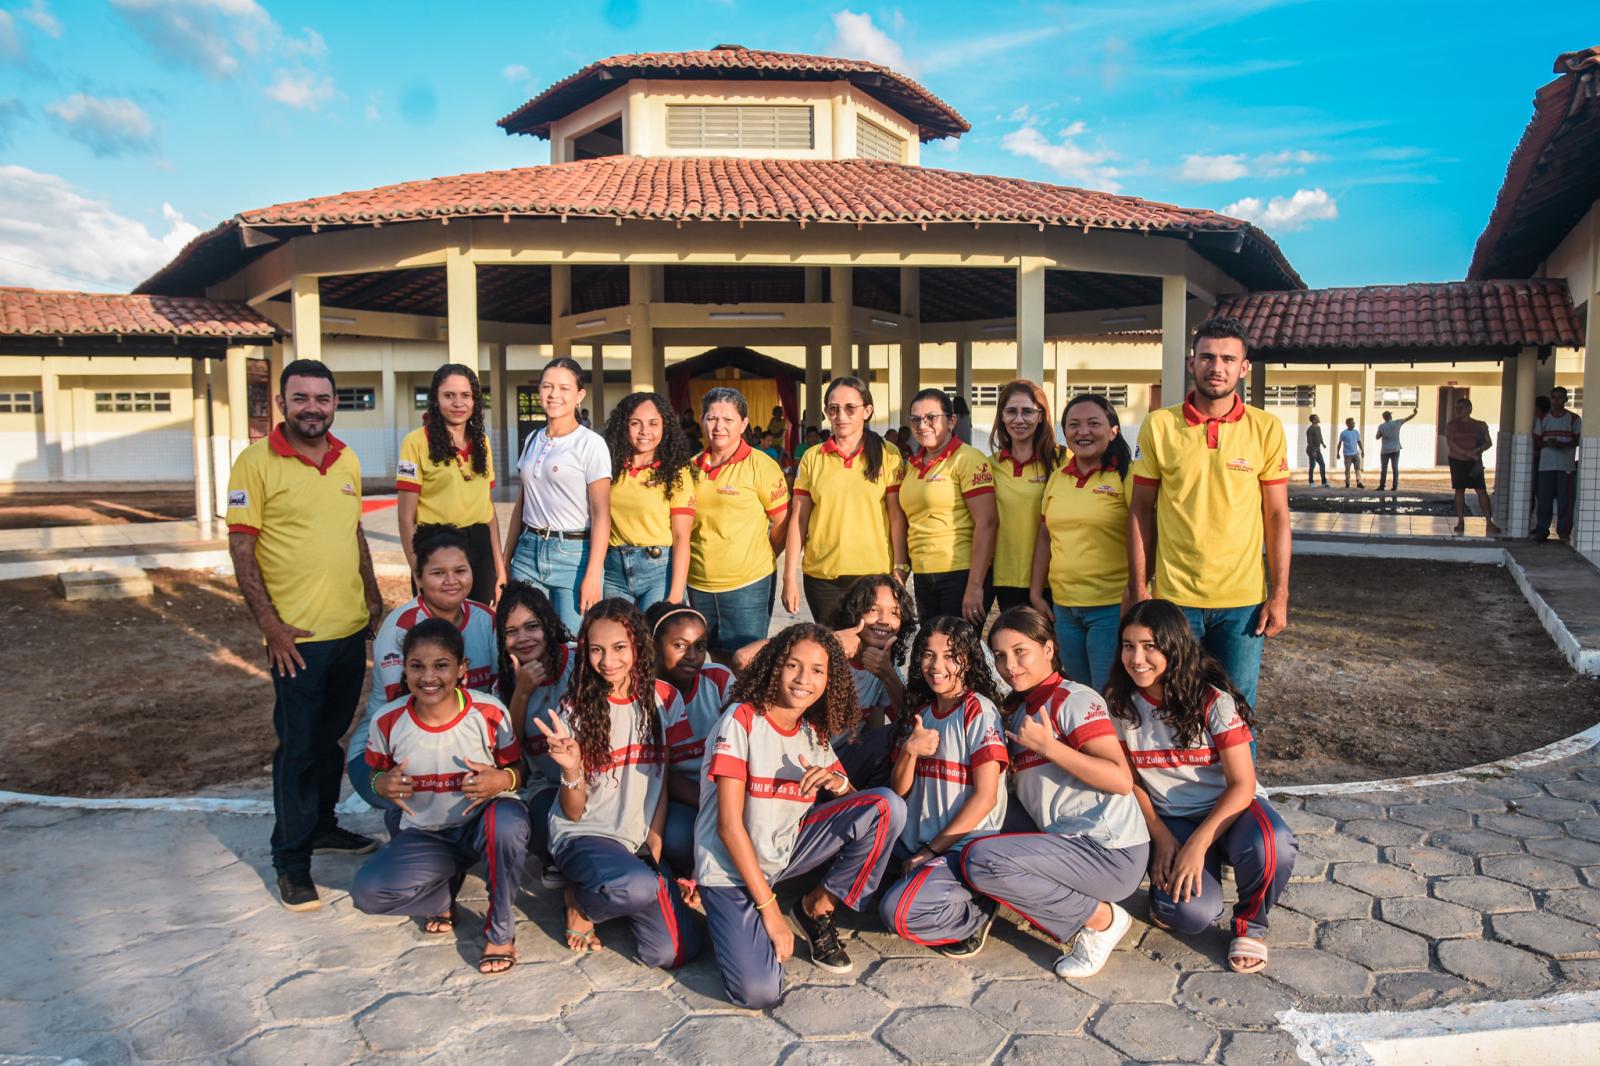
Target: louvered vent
x=718 y=127
x=875 y=142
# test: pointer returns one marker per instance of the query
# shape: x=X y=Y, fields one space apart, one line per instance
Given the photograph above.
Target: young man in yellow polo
x=294 y=531
x=1210 y=482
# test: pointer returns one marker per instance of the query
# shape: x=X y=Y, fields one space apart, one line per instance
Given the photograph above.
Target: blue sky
x=1369 y=138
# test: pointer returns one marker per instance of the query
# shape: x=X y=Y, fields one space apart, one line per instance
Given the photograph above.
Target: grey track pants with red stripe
x=612 y=882
x=1055 y=882
x=1260 y=847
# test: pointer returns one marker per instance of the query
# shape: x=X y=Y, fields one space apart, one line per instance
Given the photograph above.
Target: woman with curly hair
x=605 y=828
x=1187 y=731
x=760 y=822
x=652 y=502
x=1023 y=455
x=445 y=475
x=1081 y=844
x=950 y=765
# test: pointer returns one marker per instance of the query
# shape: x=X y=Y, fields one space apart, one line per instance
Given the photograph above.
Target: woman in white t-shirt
x=561 y=524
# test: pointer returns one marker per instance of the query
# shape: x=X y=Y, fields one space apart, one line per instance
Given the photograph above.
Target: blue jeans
x=632 y=574
x=1086 y=638
x=554 y=566
x=1229 y=634
x=737 y=617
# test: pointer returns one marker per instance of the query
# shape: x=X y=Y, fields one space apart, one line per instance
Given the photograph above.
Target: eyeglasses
x=926 y=420
x=849 y=410
x=1028 y=413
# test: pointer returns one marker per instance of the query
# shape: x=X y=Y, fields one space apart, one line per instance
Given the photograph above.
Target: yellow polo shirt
x=733 y=503
x=450 y=492
x=304 y=518
x=641 y=514
x=1209 y=473
x=934 y=498
x=1018 y=490
x=1087 y=516
x=848 y=532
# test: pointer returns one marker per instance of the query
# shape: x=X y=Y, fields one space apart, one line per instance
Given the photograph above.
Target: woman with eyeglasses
x=951 y=519
x=847 y=519
x=1023 y=459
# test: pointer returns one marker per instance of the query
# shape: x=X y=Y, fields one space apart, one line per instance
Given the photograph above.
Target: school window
x=1116 y=395
x=1389 y=396
x=875 y=142
x=130 y=402
x=1291 y=395
x=419 y=398
x=982 y=395
x=1575 y=399
x=19 y=403
x=717 y=126
x=360 y=398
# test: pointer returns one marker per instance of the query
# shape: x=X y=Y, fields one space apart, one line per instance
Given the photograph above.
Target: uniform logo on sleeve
x=406 y=469
x=992 y=736
x=238 y=498
x=1096 y=711
x=348 y=489
x=982 y=477
x=1283 y=464
x=1138 y=452
x=722 y=744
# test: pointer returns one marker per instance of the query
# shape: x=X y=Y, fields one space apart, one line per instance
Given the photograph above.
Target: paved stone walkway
x=155 y=937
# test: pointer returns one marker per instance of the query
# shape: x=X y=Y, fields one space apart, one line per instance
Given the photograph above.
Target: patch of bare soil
x=1392 y=667
x=32 y=510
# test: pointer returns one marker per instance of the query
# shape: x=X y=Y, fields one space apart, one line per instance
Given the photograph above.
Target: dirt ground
x=32 y=510
x=1387 y=668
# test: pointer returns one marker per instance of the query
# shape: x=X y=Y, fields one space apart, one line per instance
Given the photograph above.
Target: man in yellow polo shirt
x=294 y=531
x=1210 y=482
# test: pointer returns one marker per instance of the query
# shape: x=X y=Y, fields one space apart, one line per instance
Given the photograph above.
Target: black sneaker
x=822 y=937
x=298 y=892
x=965 y=949
x=342 y=841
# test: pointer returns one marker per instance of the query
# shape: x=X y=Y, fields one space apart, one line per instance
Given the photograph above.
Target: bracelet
x=843 y=781
x=574 y=785
x=372 y=782
x=515 y=780
x=770 y=901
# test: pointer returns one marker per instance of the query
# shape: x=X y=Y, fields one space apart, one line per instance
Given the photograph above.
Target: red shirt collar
x=1038 y=694
x=466 y=612
x=924 y=462
x=278 y=441
x=635 y=471
x=1072 y=471
x=1192 y=415
x=831 y=448
x=703 y=460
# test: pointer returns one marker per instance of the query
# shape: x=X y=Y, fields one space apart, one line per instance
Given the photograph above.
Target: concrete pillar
x=1586 y=536
x=1544 y=377
x=816 y=379
x=230 y=437
x=1258 y=384
x=461 y=306
x=305 y=308
x=1030 y=319
x=389 y=405
x=278 y=357
x=50 y=411
x=864 y=372
x=502 y=440
x=1058 y=388
x=648 y=363
x=1505 y=431
x=911 y=336
x=200 y=420
x=841 y=281
x=1174 y=338
x=1516 y=518
x=560 y=307
x=597 y=381
x=964 y=369
x=1369 y=386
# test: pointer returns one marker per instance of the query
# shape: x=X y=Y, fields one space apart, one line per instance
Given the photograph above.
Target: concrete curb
x=1585 y=661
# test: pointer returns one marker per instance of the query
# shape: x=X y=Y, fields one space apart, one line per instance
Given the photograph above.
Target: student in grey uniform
x=680 y=636
x=950 y=764
x=1187 y=733
x=1086 y=845
x=761 y=822
x=446 y=760
x=605 y=827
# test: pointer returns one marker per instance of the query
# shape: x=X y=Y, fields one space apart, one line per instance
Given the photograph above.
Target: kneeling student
x=446 y=759
x=759 y=823
x=1187 y=731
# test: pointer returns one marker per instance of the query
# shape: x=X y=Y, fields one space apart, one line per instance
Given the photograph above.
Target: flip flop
x=1248 y=948
x=445 y=923
x=487 y=959
x=591 y=941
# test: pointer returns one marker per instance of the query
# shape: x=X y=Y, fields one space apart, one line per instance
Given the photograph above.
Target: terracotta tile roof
x=934 y=117
x=46 y=313
x=1446 y=315
x=1553 y=176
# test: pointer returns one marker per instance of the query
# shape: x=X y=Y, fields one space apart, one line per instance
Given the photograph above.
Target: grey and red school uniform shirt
x=871 y=693
x=747 y=746
x=1184 y=782
x=1055 y=799
x=543 y=772
x=693 y=718
x=970 y=735
x=436 y=756
x=481 y=660
x=624 y=794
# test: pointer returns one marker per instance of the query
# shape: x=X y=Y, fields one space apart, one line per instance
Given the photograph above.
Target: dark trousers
x=940 y=594
x=611 y=882
x=1554 y=498
x=311 y=713
x=823 y=596
x=1313 y=461
x=1387 y=461
x=1261 y=849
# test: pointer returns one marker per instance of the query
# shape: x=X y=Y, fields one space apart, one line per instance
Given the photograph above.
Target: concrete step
x=117 y=583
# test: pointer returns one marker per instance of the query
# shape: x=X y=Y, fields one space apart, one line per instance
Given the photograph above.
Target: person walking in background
x=1352 y=450
x=1314 y=446
x=1556 y=436
x=1023 y=458
x=1388 y=435
x=652 y=502
x=1467 y=438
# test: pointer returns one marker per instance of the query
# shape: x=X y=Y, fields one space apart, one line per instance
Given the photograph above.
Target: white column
x=597 y=382
x=200 y=419
x=50 y=403
x=560 y=307
x=278 y=357
x=305 y=303
x=646 y=376
x=863 y=371
x=1174 y=337
x=964 y=369
x=1516 y=519
x=1030 y=319
x=840 y=286
x=502 y=438
x=461 y=306
x=1369 y=385
x=1058 y=389
x=238 y=403
x=1586 y=536
x=388 y=404
x=910 y=338
x=1505 y=432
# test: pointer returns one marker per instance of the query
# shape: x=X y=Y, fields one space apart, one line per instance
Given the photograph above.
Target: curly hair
x=968 y=650
x=673 y=453
x=521 y=594
x=1186 y=684
x=441 y=449
x=860 y=597
x=836 y=712
x=586 y=704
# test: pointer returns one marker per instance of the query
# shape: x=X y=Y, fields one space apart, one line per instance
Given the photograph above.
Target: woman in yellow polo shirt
x=948 y=498
x=652 y=502
x=1024 y=457
x=445 y=476
x=741 y=516
x=847 y=519
x=1082 y=544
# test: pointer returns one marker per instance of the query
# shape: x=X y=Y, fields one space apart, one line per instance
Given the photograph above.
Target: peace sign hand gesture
x=1033 y=732
x=563 y=746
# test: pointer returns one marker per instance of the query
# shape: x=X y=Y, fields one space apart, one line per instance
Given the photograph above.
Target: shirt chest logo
x=727 y=490
x=1106 y=490
x=1243 y=466
x=348 y=489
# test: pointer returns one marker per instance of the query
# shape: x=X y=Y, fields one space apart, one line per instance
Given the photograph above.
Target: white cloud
x=204 y=34
x=54 y=236
x=1278 y=164
x=977 y=49
x=11 y=47
x=1069 y=160
x=38 y=13
x=1203 y=169
x=1286 y=213
x=1206 y=168
x=302 y=90
x=108 y=125
x=516 y=72
x=857 y=37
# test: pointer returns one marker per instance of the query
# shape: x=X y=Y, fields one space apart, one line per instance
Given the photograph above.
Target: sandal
x=1253 y=952
x=590 y=939
x=494 y=965
x=439 y=924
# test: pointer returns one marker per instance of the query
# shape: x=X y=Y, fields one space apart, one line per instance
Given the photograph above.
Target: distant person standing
x=1467 y=438
x=1353 y=451
x=1389 y=448
x=963 y=420
x=301 y=560
x=1210 y=485
x=1314 y=446
x=1557 y=436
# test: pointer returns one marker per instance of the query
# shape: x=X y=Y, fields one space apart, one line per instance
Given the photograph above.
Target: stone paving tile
x=1482 y=894
x=1432 y=918
x=1051 y=1006
x=1037 y=1050
x=1582 y=828
x=1155 y=1032
x=1325 y=900
x=943 y=1034
x=1565 y=849
x=1384 y=832
x=1500 y=967
x=1430 y=816
x=1232 y=1000
x=1319 y=974
x=1548 y=934
x=1417 y=990
x=505 y=1045
x=1519 y=826
x=1575 y=789
x=308 y=1045
x=1130 y=977
x=838 y=1053
x=709 y=1038
x=1475 y=842
x=623 y=1017
x=410 y=1023
x=828 y=1011
x=1429 y=862
x=924 y=982
x=1552 y=809
x=1379 y=879
x=1577 y=903
x=1375 y=945
x=1259 y=1049
x=1530 y=871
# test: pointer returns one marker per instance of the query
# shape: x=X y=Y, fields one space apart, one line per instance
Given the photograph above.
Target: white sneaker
x=552 y=878
x=1092 y=949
